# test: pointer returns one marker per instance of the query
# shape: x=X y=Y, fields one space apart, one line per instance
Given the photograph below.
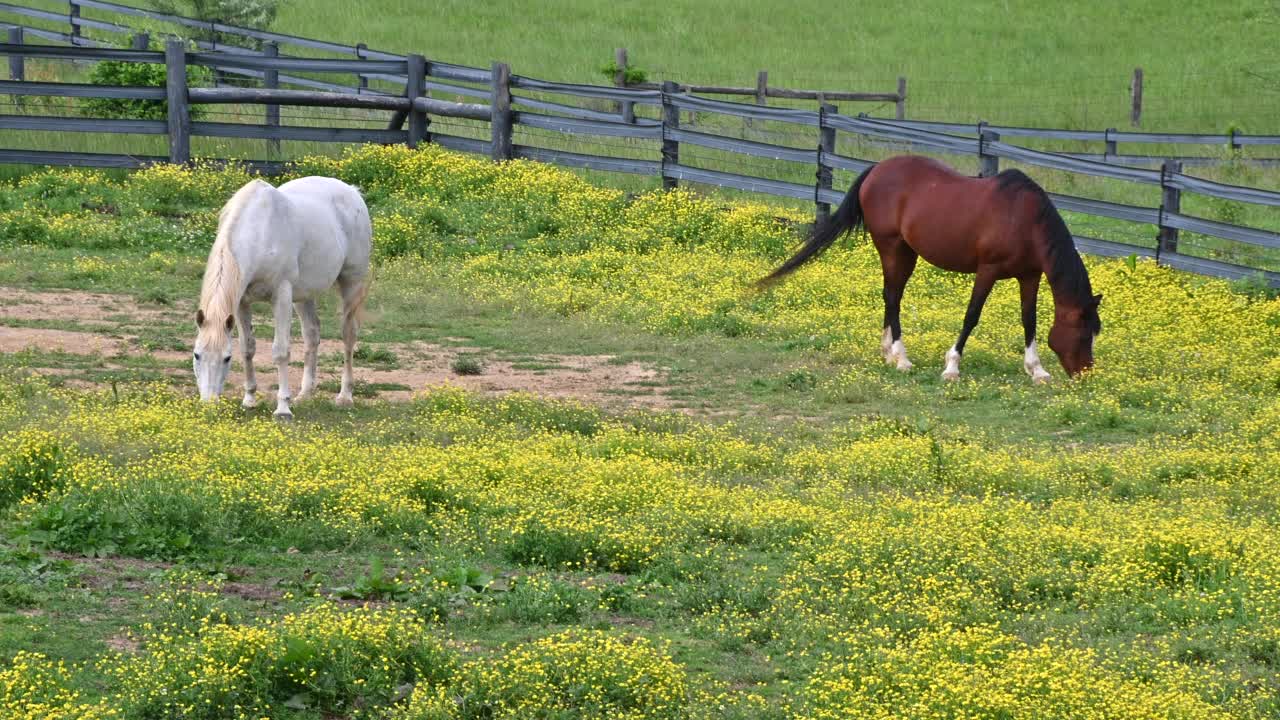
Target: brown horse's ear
x=230 y=319
x=199 y=318
x=1097 y=300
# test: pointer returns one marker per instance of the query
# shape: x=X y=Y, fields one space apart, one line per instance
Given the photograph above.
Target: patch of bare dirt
x=123 y=643
x=80 y=307
x=17 y=339
x=589 y=378
x=250 y=591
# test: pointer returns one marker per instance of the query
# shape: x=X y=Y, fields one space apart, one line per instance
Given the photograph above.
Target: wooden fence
x=230 y=39
x=513 y=101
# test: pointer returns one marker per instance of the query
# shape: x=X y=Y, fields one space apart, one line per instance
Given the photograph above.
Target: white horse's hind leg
x=283 y=315
x=248 y=347
x=354 y=292
x=310 y=345
x=1031 y=363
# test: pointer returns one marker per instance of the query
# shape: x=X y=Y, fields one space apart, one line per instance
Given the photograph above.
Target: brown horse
x=995 y=228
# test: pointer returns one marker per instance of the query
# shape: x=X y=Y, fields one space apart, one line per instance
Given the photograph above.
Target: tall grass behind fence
x=802 y=155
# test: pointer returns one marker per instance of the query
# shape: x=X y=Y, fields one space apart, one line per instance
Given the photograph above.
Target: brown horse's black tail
x=847 y=217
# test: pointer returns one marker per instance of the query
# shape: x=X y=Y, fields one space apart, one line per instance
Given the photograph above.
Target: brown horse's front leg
x=981 y=289
x=1030 y=287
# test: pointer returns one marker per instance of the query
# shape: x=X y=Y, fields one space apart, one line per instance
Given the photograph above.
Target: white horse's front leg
x=283 y=310
x=248 y=346
x=310 y=345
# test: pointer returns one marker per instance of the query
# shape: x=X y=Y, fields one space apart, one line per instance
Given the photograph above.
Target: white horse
x=285 y=245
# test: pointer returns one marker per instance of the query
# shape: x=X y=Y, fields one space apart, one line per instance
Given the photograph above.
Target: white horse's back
x=332 y=204
x=307 y=233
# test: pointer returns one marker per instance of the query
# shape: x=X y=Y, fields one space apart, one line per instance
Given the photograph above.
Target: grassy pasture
x=802 y=533
x=1063 y=64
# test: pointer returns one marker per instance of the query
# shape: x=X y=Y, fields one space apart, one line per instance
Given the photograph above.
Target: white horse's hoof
x=904 y=365
x=950 y=375
x=249 y=402
x=343 y=401
x=283 y=416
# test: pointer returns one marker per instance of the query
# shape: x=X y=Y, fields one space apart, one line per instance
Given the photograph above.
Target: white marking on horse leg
x=886 y=345
x=1031 y=363
x=900 y=355
x=283 y=316
x=310 y=346
x=952 y=371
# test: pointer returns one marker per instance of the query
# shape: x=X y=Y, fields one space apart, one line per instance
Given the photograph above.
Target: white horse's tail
x=353 y=309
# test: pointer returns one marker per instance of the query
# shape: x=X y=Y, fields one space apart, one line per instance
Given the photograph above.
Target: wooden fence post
x=670 y=121
x=140 y=41
x=1135 y=90
x=179 y=117
x=414 y=85
x=271 y=81
x=826 y=146
x=988 y=165
x=900 y=111
x=626 y=108
x=501 y=106
x=362 y=82
x=17 y=68
x=1171 y=202
x=762 y=92
x=73 y=14
x=1111 y=143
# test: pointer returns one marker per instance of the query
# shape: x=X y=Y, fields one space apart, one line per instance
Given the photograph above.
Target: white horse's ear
x=230 y=319
x=199 y=318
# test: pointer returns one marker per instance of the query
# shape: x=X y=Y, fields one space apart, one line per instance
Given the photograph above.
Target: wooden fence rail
x=665 y=136
x=253 y=42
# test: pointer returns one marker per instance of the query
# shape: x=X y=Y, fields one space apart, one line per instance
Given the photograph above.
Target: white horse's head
x=211 y=358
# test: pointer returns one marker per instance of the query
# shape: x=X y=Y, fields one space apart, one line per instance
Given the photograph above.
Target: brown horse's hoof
x=951 y=375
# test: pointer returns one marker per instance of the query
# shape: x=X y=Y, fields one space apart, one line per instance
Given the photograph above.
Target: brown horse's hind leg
x=981 y=289
x=897 y=261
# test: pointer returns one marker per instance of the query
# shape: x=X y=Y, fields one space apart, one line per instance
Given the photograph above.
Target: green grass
x=1131 y=515
x=1008 y=61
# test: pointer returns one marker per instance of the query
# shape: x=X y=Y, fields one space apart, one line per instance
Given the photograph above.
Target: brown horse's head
x=1072 y=335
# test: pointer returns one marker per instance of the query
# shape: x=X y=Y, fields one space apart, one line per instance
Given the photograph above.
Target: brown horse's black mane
x=1066 y=271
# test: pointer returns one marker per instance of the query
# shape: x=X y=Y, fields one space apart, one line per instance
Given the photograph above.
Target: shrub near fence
x=516 y=101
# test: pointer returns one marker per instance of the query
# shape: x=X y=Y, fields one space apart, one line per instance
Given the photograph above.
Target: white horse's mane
x=221 y=288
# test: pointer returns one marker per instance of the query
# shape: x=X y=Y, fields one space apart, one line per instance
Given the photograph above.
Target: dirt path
x=417 y=365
